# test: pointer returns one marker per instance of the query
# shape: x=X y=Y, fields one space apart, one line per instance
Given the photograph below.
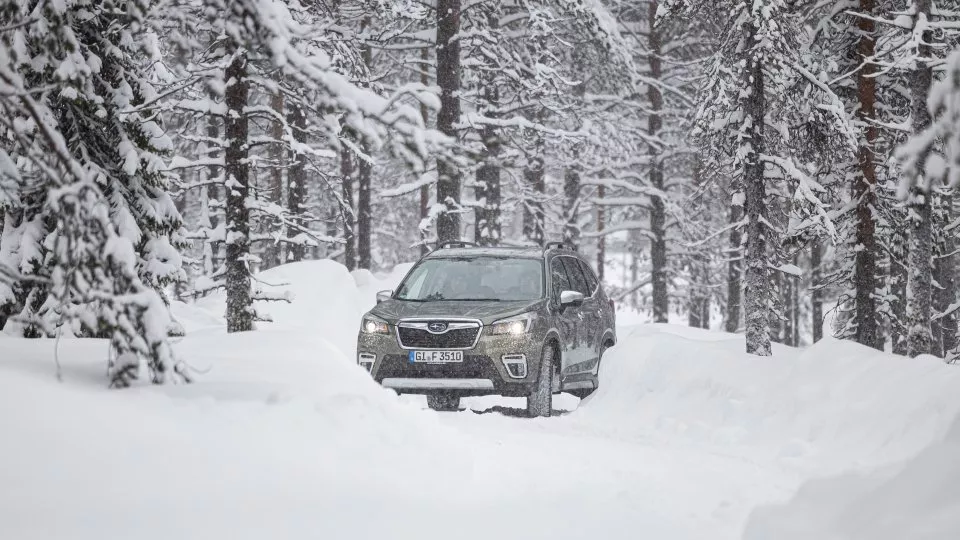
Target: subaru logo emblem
x=437 y=327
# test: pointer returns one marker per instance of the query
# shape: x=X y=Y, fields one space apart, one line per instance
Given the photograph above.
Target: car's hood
x=487 y=312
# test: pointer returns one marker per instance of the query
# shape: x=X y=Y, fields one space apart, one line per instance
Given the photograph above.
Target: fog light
x=366 y=360
x=516 y=365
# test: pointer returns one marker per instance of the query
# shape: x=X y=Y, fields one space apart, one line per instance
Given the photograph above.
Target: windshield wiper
x=475 y=299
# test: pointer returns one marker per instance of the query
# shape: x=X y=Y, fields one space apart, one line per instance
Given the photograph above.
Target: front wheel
x=540 y=399
x=443 y=402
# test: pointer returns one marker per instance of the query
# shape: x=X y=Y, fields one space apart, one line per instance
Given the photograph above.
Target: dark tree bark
x=334 y=217
x=272 y=253
x=533 y=216
x=346 y=209
x=448 y=79
x=240 y=312
x=816 y=293
x=364 y=173
x=635 y=240
x=213 y=258
x=756 y=294
x=571 y=207
x=601 y=238
x=946 y=294
x=775 y=284
x=899 y=259
x=920 y=299
x=488 y=225
x=697 y=304
x=658 y=213
x=699 y=289
x=297 y=182
x=791 y=334
x=734 y=270
x=425 y=114
x=865 y=182
x=364 y=217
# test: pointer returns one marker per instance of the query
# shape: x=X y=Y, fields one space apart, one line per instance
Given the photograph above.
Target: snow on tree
x=90 y=235
x=279 y=54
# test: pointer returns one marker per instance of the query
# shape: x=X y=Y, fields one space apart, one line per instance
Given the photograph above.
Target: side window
x=592 y=282
x=558 y=276
x=577 y=281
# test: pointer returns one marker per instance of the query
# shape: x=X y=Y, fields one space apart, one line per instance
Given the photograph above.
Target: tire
x=443 y=402
x=540 y=399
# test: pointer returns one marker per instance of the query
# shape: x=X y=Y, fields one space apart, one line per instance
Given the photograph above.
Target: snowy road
x=556 y=477
x=680 y=443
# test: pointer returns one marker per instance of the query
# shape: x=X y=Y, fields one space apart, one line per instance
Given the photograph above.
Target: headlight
x=372 y=325
x=514 y=326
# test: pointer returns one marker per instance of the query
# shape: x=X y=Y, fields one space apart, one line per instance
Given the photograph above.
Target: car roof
x=522 y=252
x=517 y=252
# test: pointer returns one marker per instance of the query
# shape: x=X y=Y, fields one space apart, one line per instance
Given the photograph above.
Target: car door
x=586 y=340
x=567 y=320
x=593 y=310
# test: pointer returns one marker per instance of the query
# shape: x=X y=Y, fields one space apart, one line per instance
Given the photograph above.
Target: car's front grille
x=417 y=336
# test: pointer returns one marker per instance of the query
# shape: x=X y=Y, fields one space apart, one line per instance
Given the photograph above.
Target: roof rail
x=456 y=243
x=558 y=245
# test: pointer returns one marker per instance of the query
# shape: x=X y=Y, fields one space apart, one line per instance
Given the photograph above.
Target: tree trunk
x=790 y=308
x=658 y=213
x=919 y=305
x=213 y=192
x=240 y=312
x=425 y=114
x=699 y=288
x=364 y=225
x=775 y=286
x=865 y=260
x=448 y=79
x=571 y=207
x=734 y=269
x=695 y=309
x=346 y=209
x=946 y=293
x=365 y=171
x=601 y=238
x=533 y=174
x=756 y=280
x=816 y=293
x=634 y=240
x=898 y=288
x=297 y=182
x=272 y=253
x=488 y=225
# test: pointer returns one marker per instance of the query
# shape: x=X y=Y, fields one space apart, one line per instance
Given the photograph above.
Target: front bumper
x=482 y=371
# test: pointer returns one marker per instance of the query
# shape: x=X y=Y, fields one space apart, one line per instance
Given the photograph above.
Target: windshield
x=474 y=278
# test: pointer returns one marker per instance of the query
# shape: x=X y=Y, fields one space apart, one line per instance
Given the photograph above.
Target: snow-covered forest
x=755 y=167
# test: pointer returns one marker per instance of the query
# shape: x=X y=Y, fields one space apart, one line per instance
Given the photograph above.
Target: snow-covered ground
x=282 y=436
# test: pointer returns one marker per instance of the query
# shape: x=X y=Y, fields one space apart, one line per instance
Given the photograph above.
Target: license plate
x=436 y=357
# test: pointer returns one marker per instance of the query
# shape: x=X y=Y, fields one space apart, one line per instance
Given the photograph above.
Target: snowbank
x=832 y=406
x=279 y=436
x=918 y=500
x=325 y=299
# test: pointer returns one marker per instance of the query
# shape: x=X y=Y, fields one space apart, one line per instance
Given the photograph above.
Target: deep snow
x=282 y=436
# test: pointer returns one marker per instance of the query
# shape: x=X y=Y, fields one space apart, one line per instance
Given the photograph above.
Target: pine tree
x=92 y=230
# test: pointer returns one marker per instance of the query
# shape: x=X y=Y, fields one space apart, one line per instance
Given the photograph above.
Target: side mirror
x=570 y=299
x=383 y=296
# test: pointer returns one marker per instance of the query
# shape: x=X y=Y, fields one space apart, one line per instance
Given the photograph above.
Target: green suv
x=468 y=321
